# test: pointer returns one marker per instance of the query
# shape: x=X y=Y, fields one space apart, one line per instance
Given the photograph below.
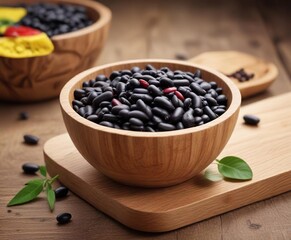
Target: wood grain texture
x=229 y=62
x=39 y=78
x=155 y=208
x=174 y=156
x=157 y=29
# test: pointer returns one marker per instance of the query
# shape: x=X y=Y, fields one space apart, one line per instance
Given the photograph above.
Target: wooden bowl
x=40 y=78
x=150 y=159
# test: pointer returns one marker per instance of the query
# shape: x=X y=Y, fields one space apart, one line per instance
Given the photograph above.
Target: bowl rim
x=104 y=12
x=68 y=109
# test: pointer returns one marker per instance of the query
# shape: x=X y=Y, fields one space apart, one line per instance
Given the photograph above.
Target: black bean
x=106 y=96
x=143 y=107
x=164 y=103
x=106 y=124
x=133 y=107
x=91 y=97
x=219 y=90
x=177 y=115
x=213 y=85
x=183 y=90
x=209 y=112
x=197 y=89
x=219 y=111
x=82 y=111
x=155 y=91
x=125 y=126
x=146 y=77
x=198 y=120
x=136 y=122
x=126 y=72
x=101 y=77
x=138 y=114
x=149 y=129
x=154 y=82
x=61 y=192
x=93 y=118
x=136 y=128
x=187 y=103
x=211 y=101
x=198 y=112
x=205 y=118
x=188 y=119
x=79 y=93
x=104 y=104
x=124 y=113
x=205 y=85
x=135 y=69
x=64 y=218
x=196 y=101
x=179 y=126
x=110 y=117
x=120 y=87
x=166 y=82
x=181 y=82
x=23 y=116
x=251 y=119
x=114 y=75
x=145 y=97
x=124 y=101
x=30 y=168
x=30 y=139
x=141 y=90
x=166 y=126
x=88 y=110
x=213 y=93
x=164 y=114
x=221 y=99
x=116 y=109
x=150 y=67
x=156 y=119
x=101 y=84
x=85 y=84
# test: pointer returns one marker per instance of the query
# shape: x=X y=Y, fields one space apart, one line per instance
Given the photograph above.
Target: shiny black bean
x=30 y=139
x=30 y=168
x=138 y=114
x=187 y=103
x=188 y=119
x=85 y=84
x=205 y=118
x=124 y=113
x=125 y=126
x=101 y=84
x=64 y=218
x=124 y=101
x=154 y=82
x=213 y=93
x=179 y=126
x=81 y=111
x=110 y=117
x=213 y=85
x=198 y=112
x=144 y=108
x=198 y=80
x=84 y=100
x=141 y=90
x=198 y=120
x=126 y=72
x=88 y=111
x=76 y=108
x=219 y=90
x=93 y=118
x=197 y=73
x=181 y=82
x=106 y=124
x=91 y=97
x=136 y=128
x=221 y=99
x=79 y=93
x=183 y=90
x=89 y=89
x=219 y=111
x=149 y=129
x=211 y=101
x=120 y=87
x=116 y=109
x=205 y=85
x=170 y=74
x=108 y=89
x=207 y=110
x=136 y=122
x=150 y=67
x=251 y=119
x=61 y=192
x=166 y=82
x=146 y=77
x=197 y=89
x=101 y=77
x=133 y=107
x=77 y=103
x=156 y=119
x=166 y=126
x=145 y=97
x=196 y=101
x=164 y=103
x=91 y=82
x=116 y=125
x=177 y=115
x=115 y=82
x=104 y=104
x=25 y=115
x=105 y=110
x=114 y=75
x=162 y=113
x=106 y=96
x=135 y=69
x=154 y=90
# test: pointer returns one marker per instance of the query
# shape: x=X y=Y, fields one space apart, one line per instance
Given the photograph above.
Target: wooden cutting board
x=266 y=148
x=229 y=62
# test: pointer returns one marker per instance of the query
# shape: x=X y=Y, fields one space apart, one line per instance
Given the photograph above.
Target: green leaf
x=51 y=198
x=42 y=170
x=212 y=175
x=35 y=181
x=234 y=168
x=27 y=194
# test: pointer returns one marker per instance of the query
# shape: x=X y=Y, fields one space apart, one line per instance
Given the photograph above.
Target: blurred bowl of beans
x=150 y=123
x=78 y=31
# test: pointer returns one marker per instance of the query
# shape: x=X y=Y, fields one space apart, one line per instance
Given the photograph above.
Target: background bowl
x=39 y=78
x=150 y=159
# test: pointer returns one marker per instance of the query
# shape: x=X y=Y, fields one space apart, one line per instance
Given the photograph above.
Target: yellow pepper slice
x=12 y=14
x=25 y=47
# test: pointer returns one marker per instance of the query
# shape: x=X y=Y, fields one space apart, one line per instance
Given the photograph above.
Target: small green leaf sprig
x=230 y=167
x=34 y=187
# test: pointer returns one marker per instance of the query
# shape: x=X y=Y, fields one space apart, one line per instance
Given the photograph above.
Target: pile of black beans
x=55 y=19
x=150 y=100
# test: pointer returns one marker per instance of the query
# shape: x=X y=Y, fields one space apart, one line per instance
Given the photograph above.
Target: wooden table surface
x=152 y=29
